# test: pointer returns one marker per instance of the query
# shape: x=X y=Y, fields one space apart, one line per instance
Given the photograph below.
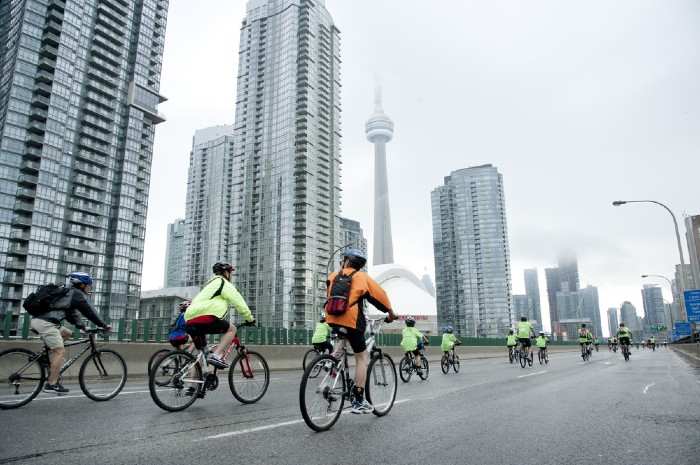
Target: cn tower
x=379 y=130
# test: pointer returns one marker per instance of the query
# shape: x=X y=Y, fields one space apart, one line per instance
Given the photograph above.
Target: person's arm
x=377 y=297
x=233 y=297
x=81 y=304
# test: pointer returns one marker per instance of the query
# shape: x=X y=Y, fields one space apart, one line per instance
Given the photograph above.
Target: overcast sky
x=576 y=103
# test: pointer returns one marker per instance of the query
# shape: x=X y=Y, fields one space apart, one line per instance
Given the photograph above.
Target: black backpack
x=39 y=302
x=337 y=302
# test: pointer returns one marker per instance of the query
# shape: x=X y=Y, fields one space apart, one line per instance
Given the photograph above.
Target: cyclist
x=525 y=331
x=614 y=339
x=584 y=338
x=449 y=340
x=511 y=341
x=541 y=341
x=206 y=313
x=625 y=336
x=609 y=344
x=322 y=336
x=652 y=343
x=178 y=336
x=412 y=341
x=351 y=323
x=48 y=325
x=596 y=343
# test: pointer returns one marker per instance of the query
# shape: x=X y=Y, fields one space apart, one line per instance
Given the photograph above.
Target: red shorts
x=198 y=327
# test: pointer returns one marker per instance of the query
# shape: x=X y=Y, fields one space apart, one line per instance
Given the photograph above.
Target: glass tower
x=175 y=254
x=79 y=91
x=286 y=203
x=209 y=191
x=472 y=258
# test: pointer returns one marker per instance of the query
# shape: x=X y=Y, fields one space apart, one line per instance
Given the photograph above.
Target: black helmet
x=523 y=318
x=356 y=259
x=583 y=325
x=410 y=321
x=220 y=268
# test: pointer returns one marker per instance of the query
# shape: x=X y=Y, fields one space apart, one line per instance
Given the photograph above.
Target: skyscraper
x=613 y=323
x=79 y=91
x=351 y=233
x=380 y=130
x=209 y=192
x=628 y=316
x=692 y=234
x=654 y=310
x=532 y=290
x=286 y=173
x=590 y=308
x=522 y=306
x=175 y=254
x=472 y=258
x=563 y=278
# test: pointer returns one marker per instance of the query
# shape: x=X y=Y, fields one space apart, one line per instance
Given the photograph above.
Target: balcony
x=15 y=264
x=47 y=64
x=29 y=166
x=11 y=294
x=80 y=259
x=22 y=220
x=18 y=249
x=26 y=193
x=28 y=180
x=20 y=234
x=22 y=206
x=13 y=279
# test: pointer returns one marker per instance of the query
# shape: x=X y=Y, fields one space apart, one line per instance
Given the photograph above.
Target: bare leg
x=361 y=362
x=226 y=341
x=57 y=356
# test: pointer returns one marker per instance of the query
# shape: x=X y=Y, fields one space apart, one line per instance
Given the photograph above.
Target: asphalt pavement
x=607 y=411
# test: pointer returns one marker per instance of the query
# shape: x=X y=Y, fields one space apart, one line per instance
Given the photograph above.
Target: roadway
x=570 y=412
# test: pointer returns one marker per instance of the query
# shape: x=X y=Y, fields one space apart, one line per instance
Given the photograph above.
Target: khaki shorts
x=49 y=332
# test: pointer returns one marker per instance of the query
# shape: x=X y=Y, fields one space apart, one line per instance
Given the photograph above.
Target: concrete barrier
x=692 y=350
x=279 y=357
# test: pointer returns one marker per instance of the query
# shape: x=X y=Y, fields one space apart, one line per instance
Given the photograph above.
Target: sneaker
x=216 y=361
x=361 y=406
x=57 y=388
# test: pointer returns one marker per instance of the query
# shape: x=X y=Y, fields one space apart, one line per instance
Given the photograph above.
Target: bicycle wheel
x=546 y=357
x=406 y=369
x=156 y=357
x=425 y=371
x=312 y=353
x=381 y=385
x=102 y=375
x=321 y=398
x=530 y=359
x=523 y=359
x=166 y=369
x=249 y=377
x=511 y=356
x=175 y=391
x=445 y=364
x=455 y=363
x=22 y=376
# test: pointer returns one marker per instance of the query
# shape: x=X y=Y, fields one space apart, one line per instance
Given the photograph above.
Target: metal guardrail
x=156 y=330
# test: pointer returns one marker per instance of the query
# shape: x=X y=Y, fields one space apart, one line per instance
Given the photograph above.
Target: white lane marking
x=272 y=426
x=646 y=388
x=533 y=374
x=73 y=397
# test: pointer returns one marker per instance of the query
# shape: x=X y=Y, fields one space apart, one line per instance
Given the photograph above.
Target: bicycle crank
x=211 y=382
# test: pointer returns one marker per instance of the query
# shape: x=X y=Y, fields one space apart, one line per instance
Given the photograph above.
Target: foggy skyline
x=576 y=104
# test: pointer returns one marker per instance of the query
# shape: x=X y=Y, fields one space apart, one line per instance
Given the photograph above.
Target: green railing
x=156 y=330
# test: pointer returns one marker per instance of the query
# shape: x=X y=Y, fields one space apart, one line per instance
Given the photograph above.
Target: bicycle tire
x=539 y=357
x=305 y=361
x=238 y=365
x=184 y=360
x=523 y=360
x=391 y=368
x=511 y=356
x=530 y=359
x=425 y=372
x=157 y=355
x=324 y=360
x=455 y=364
x=21 y=353
x=445 y=364
x=96 y=358
x=406 y=369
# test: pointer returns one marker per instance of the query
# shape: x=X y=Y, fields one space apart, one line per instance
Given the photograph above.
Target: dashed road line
x=533 y=374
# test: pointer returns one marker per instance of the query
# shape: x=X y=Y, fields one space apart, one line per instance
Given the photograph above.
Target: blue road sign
x=692 y=305
x=681 y=328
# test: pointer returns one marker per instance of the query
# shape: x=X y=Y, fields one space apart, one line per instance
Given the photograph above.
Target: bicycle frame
x=89 y=346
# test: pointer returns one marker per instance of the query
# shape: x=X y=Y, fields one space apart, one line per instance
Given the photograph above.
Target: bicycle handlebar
x=248 y=323
x=96 y=331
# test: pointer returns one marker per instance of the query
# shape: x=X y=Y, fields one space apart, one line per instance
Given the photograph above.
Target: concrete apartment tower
x=285 y=207
x=209 y=193
x=175 y=254
x=472 y=257
x=380 y=130
x=79 y=95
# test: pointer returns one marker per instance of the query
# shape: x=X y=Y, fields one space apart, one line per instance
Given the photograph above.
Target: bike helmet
x=220 y=268
x=523 y=318
x=410 y=321
x=510 y=331
x=449 y=329
x=79 y=277
x=541 y=333
x=323 y=318
x=184 y=304
x=583 y=325
x=355 y=257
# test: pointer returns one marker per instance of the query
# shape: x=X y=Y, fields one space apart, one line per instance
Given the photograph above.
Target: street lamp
x=670 y=284
x=618 y=203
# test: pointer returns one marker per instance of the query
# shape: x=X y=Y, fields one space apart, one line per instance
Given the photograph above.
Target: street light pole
x=618 y=203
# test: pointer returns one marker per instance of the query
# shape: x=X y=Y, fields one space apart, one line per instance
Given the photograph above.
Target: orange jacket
x=362 y=287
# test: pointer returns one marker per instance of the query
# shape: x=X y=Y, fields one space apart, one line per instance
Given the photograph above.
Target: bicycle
x=101 y=377
x=543 y=356
x=525 y=356
x=326 y=383
x=313 y=353
x=181 y=377
x=450 y=359
x=408 y=366
x=586 y=352
x=626 y=352
x=513 y=354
